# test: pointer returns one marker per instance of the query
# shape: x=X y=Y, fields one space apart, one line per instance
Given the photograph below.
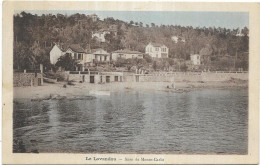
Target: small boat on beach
x=49 y=80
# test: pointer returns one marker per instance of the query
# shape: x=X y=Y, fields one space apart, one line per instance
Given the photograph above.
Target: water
x=195 y=122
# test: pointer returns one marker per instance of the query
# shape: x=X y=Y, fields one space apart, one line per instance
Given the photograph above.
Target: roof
x=60 y=47
x=157 y=44
x=77 y=48
x=127 y=51
x=95 y=50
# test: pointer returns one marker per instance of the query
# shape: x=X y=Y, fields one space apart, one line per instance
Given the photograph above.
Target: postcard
x=130 y=82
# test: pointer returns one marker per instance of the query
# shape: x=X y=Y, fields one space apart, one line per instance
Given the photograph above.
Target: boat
x=49 y=80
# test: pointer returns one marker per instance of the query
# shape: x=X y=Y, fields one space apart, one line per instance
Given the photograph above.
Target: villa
x=100 y=35
x=156 y=50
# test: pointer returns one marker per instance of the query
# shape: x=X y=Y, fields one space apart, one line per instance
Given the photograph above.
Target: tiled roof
x=77 y=48
x=95 y=50
x=127 y=51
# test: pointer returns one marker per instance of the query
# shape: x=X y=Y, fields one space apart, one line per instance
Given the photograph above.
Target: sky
x=230 y=20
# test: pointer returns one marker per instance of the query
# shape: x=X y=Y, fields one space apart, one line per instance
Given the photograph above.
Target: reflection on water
x=206 y=121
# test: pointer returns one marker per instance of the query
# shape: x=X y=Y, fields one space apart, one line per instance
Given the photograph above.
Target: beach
x=84 y=89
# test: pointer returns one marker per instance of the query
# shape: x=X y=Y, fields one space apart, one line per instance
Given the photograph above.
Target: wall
x=182 y=77
x=209 y=76
x=162 y=77
x=55 y=53
x=26 y=79
x=97 y=78
x=78 y=77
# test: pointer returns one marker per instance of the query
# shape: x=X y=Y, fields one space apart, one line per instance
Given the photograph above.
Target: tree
x=139 y=63
x=34 y=36
x=66 y=62
x=129 y=64
x=154 y=65
x=184 y=67
x=148 y=58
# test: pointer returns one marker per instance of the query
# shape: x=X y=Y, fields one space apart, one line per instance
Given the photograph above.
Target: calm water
x=204 y=121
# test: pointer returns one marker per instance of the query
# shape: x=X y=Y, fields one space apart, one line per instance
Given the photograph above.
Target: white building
x=55 y=54
x=176 y=39
x=94 y=17
x=100 y=35
x=98 y=55
x=126 y=54
x=195 y=59
x=83 y=57
x=77 y=53
x=157 y=50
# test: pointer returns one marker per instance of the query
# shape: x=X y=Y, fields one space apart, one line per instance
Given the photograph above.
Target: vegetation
x=34 y=36
x=66 y=62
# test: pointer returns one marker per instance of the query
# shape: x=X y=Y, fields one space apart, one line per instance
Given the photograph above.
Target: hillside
x=35 y=35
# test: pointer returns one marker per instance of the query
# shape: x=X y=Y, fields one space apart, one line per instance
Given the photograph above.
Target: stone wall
x=182 y=77
x=27 y=79
x=209 y=76
x=161 y=77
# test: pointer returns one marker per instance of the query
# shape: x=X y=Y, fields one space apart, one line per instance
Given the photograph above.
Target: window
x=75 y=56
x=80 y=56
x=164 y=49
x=156 y=49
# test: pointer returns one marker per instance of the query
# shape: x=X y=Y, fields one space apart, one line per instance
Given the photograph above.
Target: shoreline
x=84 y=90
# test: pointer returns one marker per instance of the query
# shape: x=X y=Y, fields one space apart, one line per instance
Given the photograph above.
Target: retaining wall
x=182 y=76
x=27 y=79
x=161 y=77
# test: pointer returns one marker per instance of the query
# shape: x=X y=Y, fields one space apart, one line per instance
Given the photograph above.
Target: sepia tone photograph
x=130 y=85
x=130 y=82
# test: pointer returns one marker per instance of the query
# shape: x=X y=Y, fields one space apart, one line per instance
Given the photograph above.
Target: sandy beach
x=86 y=89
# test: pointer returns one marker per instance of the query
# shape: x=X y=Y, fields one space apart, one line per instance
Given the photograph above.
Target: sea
x=205 y=121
